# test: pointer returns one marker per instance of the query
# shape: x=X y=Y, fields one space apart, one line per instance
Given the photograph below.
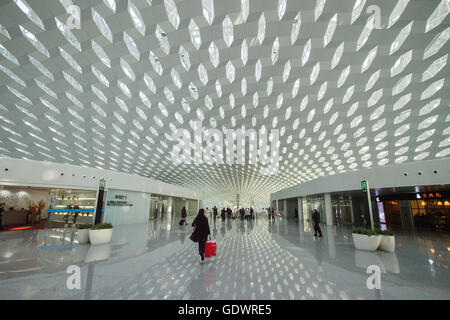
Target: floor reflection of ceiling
x=250 y=265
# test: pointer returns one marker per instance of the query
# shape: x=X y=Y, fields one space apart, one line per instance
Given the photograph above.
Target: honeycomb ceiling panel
x=348 y=84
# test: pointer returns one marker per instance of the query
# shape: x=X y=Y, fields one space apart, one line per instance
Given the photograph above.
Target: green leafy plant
x=102 y=226
x=367 y=232
x=84 y=226
x=384 y=232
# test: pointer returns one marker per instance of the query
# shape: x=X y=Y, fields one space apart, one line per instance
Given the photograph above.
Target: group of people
x=247 y=214
x=271 y=214
x=227 y=213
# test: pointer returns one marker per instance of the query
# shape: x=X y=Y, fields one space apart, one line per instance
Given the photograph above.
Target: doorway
x=342 y=209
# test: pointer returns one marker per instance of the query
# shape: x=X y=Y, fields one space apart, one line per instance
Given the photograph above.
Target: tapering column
x=328 y=209
x=300 y=208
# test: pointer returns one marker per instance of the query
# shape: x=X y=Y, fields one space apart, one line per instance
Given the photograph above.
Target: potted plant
x=366 y=239
x=387 y=240
x=100 y=233
x=83 y=233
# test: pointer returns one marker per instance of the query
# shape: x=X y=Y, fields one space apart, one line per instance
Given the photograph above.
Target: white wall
x=121 y=215
x=378 y=177
x=48 y=174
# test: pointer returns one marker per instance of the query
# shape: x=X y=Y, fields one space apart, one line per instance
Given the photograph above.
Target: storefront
x=158 y=206
x=425 y=210
x=311 y=203
x=35 y=207
x=342 y=208
x=69 y=206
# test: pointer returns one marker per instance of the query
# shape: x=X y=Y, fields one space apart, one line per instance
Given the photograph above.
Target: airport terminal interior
x=312 y=139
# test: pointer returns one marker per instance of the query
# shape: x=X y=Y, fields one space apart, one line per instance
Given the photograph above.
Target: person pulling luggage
x=201 y=232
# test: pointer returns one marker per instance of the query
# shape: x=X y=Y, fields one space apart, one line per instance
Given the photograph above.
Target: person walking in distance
x=223 y=215
x=215 y=214
x=201 y=232
x=183 y=215
x=316 y=220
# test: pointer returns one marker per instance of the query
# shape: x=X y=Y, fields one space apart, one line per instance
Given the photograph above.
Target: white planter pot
x=83 y=236
x=387 y=243
x=100 y=236
x=366 y=243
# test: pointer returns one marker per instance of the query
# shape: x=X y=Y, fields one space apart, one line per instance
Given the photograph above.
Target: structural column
x=331 y=241
x=170 y=205
x=285 y=208
x=276 y=204
x=328 y=209
x=170 y=210
x=300 y=208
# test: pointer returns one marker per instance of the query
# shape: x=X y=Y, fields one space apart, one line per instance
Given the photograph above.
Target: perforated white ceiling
x=347 y=88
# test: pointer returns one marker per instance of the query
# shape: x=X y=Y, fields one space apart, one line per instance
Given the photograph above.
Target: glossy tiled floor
x=256 y=260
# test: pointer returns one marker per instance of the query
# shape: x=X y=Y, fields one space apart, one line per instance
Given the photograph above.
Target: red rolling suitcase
x=210 y=249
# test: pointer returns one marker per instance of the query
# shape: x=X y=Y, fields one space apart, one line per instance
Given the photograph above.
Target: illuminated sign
x=429 y=195
x=441 y=195
x=102 y=184
x=364 y=185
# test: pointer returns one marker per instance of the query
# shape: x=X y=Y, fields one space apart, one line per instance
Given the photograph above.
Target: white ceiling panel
x=344 y=92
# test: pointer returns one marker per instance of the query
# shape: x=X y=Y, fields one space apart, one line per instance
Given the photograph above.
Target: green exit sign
x=102 y=185
x=364 y=186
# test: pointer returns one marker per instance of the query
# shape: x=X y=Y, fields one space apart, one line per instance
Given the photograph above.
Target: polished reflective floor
x=255 y=260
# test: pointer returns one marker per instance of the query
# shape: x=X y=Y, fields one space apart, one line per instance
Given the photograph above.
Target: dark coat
x=201 y=227
x=183 y=213
x=316 y=217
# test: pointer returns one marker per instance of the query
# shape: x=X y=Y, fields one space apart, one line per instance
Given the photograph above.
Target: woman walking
x=201 y=232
